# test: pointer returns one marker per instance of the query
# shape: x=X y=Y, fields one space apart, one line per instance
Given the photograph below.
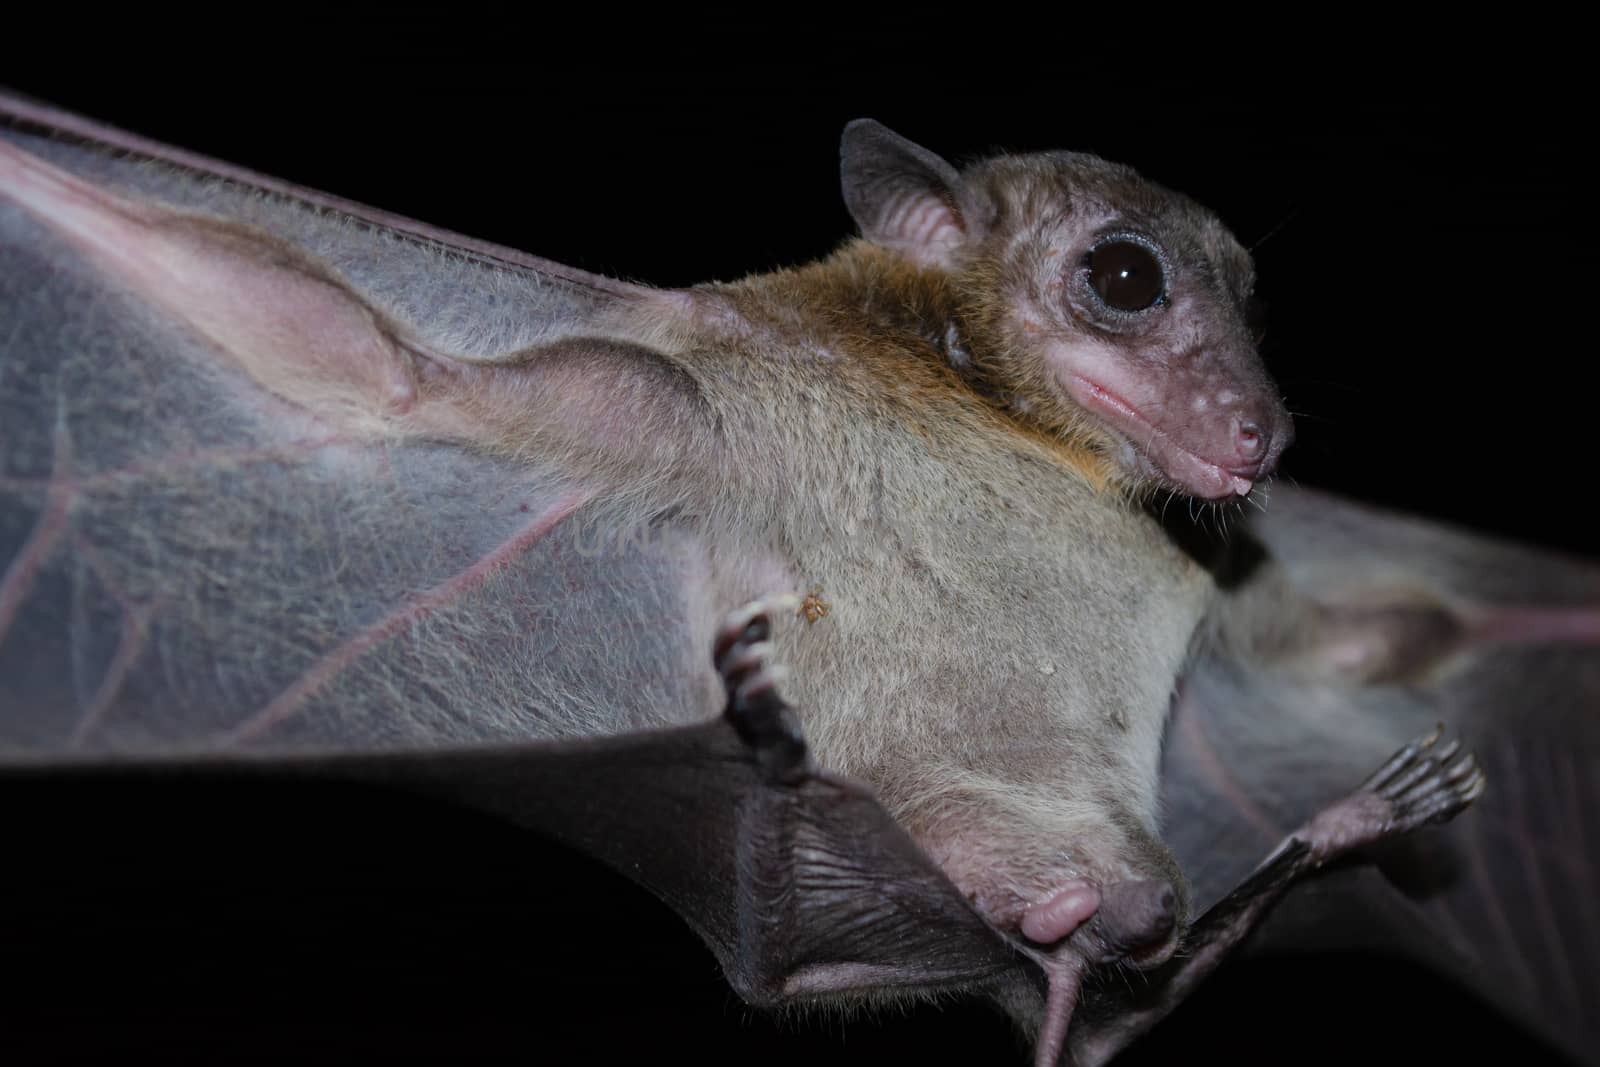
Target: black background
x=1420 y=218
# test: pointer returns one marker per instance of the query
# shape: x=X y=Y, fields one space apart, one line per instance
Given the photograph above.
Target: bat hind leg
x=1420 y=784
x=742 y=654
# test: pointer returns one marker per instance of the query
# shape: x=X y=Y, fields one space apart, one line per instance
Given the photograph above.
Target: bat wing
x=1347 y=629
x=801 y=885
x=257 y=486
x=293 y=488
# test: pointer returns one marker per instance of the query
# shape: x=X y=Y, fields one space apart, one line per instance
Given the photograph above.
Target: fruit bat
x=521 y=473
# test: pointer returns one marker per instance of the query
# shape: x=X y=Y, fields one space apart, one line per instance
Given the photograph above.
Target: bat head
x=1089 y=301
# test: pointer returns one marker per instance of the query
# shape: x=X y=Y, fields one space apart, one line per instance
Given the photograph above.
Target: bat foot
x=1420 y=784
x=1425 y=784
x=742 y=654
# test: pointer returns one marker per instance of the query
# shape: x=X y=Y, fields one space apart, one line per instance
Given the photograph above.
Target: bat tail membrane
x=1348 y=630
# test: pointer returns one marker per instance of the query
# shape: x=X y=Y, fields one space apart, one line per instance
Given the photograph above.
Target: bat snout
x=1213 y=442
x=1225 y=457
x=1255 y=442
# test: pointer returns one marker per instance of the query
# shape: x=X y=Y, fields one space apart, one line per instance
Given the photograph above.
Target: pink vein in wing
x=136 y=619
x=1516 y=624
x=287 y=703
x=1214 y=769
x=1489 y=898
x=130 y=645
x=42 y=540
x=175 y=463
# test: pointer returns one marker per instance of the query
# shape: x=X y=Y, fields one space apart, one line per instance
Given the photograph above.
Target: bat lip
x=1164 y=456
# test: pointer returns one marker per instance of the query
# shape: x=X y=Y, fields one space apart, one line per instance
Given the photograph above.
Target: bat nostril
x=1250 y=440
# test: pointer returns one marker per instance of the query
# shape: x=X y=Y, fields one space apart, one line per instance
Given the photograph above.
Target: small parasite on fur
x=813 y=607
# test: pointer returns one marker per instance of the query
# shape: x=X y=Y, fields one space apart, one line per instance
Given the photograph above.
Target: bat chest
x=1020 y=638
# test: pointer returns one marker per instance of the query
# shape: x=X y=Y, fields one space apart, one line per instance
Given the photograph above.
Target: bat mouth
x=1184 y=468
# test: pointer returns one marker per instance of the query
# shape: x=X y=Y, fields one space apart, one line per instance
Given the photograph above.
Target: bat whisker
x=1294 y=213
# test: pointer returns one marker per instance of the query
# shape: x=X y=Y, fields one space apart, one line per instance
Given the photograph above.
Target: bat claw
x=742 y=654
x=1430 y=786
x=1417 y=785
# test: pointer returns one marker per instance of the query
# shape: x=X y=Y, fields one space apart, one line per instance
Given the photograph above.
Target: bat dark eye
x=1126 y=275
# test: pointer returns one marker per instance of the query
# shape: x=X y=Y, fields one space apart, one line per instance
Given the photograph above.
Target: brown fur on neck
x=935 y=336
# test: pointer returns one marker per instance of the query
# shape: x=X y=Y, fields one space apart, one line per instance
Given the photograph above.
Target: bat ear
x=904 y=197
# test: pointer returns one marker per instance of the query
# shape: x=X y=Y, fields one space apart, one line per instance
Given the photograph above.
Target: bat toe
x=747 y=625
x=742 y=653
x=1427 y=782
x=1422 y=783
